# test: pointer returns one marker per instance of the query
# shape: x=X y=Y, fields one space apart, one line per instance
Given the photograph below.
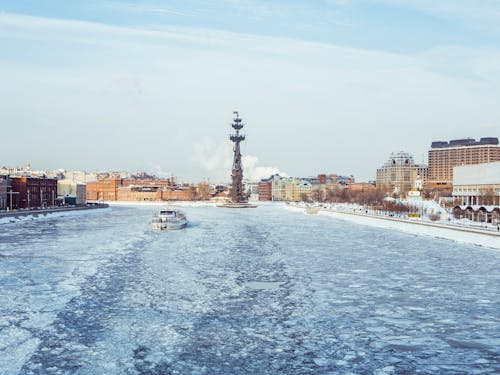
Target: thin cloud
x=144 y=8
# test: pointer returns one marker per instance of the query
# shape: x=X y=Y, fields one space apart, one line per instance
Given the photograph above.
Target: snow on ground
x=452 y=233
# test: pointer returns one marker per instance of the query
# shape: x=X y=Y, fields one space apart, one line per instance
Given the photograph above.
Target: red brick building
x=34 y=192
x=148 y=182
x=265 y=190
x=322 y=179
x=362 y=186
x=104 y=189
x=116 y=189
x=179 y=194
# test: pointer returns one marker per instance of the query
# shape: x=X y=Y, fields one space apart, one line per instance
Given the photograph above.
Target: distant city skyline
x=330 y=86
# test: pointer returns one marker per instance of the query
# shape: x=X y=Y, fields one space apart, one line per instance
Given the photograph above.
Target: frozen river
x=251 y=291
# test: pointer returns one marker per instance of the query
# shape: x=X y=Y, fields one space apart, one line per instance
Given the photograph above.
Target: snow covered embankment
x=457 y=234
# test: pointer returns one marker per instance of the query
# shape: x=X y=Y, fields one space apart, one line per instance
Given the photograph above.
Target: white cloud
x=216 y=160
x=157 y=170
x=254 y=172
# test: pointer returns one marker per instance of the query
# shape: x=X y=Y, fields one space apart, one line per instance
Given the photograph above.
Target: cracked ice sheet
x=256 y=291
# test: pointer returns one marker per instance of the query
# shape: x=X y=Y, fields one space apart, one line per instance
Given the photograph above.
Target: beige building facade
x=400 y=172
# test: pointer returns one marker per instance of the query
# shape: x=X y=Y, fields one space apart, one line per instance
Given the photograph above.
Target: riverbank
x=44 y=212
x=468 y=235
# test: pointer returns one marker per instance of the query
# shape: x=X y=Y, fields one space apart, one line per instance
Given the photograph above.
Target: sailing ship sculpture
x=238 y=195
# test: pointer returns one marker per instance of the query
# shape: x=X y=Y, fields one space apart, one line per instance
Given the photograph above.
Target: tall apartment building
x=400 y=172
x=443 y=156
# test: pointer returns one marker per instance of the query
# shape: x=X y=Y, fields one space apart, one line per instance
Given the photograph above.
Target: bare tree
x=318 y=195
x=203 y=191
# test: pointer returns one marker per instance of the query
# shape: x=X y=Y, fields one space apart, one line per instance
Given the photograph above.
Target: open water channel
x=252 y=291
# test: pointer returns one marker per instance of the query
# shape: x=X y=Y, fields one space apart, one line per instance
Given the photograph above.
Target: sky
x=324 y=86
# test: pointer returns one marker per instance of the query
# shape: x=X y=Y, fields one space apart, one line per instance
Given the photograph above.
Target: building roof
x=465 y=142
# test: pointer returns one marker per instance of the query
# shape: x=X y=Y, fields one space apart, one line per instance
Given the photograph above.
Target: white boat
x=169 y=219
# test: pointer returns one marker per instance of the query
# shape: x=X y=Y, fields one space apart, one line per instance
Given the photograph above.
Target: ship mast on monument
x=238 y=196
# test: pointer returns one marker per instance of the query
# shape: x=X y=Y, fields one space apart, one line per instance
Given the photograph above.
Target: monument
x=238 y=196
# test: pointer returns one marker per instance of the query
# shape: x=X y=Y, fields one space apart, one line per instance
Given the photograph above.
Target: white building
x=68 y=188
x=477 y=184
x=279 y=187
x=77 y=176
x=252 y=190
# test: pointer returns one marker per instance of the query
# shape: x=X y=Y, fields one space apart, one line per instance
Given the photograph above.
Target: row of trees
x=373 y=198
x=368 y=197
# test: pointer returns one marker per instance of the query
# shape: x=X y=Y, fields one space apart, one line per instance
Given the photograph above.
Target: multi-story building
x=105 y=189
x=478 y=184
x=300 y=190
x=266 y=190
x=155 y=193
x=3 y=194
x=35 y=192
x=82 y=177
x=362 y=186
x=71 y=191
x=118 y=189
x=148 y=182
x=252 y=190
x=342 y=180
x=279 y=188
x=400 y=172
x=12 y=196
x=444 y=156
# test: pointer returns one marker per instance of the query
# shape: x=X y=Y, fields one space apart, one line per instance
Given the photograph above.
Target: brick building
x=134 y=193
x=362 y=186
x=265 y=190
x=179 y=194
x=148 y=182
x=443 y=156
x=34 y=192
x=104 y=189
x=117 y=189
